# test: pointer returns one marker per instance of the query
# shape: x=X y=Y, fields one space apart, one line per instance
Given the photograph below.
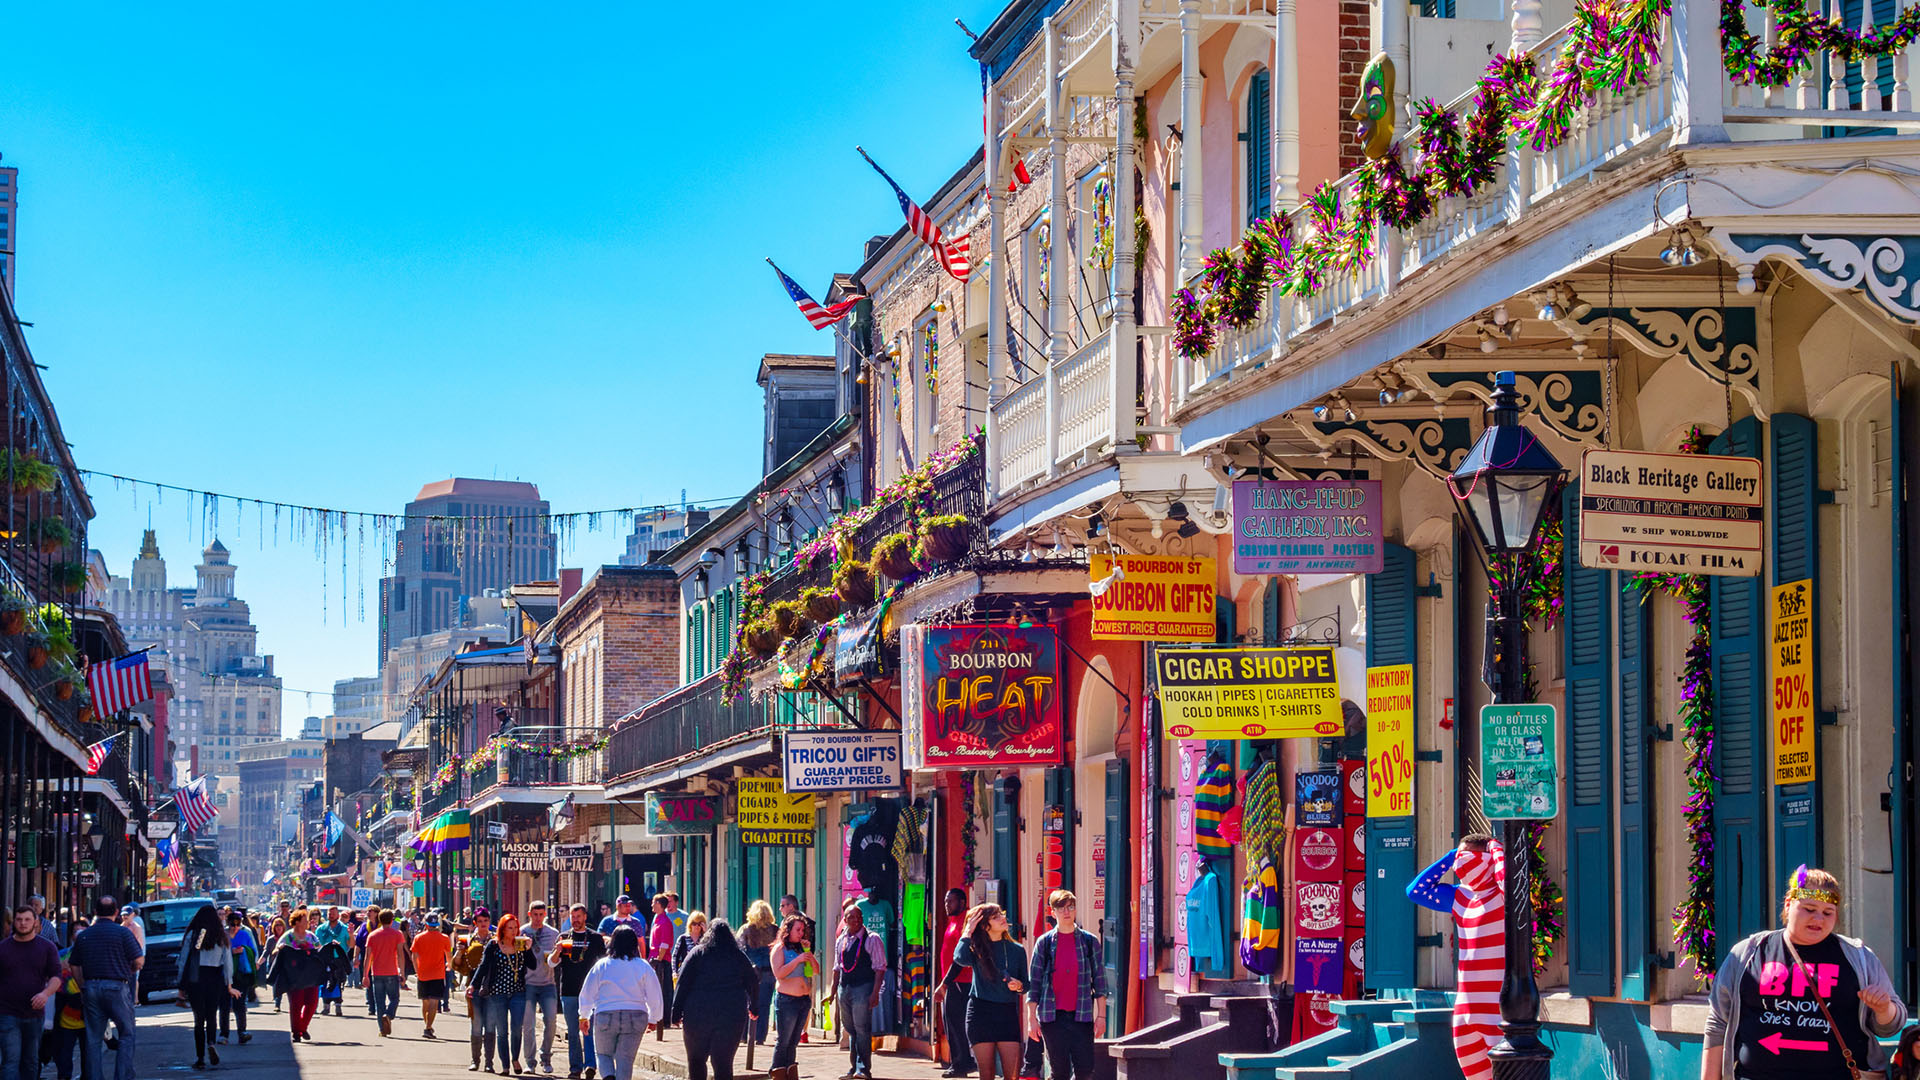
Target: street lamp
x=97 y=835
x=1503 y=489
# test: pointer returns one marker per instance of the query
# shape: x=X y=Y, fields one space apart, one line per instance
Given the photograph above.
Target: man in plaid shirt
x=1066 y=989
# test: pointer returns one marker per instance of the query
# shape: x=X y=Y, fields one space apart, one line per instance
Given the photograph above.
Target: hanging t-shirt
x=913 y=913
x=872 y=856
x=1211 y=798
x=1782 y=1034
x=1206 y=939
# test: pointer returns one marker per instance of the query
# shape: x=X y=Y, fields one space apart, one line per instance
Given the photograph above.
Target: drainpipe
x=1058 y=257
x=996 y=290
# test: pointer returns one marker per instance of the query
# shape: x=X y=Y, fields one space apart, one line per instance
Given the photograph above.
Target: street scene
x=1413 y=584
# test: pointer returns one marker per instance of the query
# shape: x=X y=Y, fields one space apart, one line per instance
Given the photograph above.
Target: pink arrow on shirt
x=1778 y=1041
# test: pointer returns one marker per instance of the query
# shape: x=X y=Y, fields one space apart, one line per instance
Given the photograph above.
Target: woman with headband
x=1801 y=1001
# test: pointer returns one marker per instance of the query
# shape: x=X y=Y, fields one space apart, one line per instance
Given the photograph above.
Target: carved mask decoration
x=1373 y=113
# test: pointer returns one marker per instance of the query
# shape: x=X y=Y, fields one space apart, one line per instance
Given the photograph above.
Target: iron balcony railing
x=692 y=718
x=531 y=756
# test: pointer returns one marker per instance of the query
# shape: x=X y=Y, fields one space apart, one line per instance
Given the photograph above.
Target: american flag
x=168 y=849
x=1430 y=890
x=816 y=315
x=98 y=752
x=195 y=808
x=1021 y=177
x=953 y=253
x=119 y=684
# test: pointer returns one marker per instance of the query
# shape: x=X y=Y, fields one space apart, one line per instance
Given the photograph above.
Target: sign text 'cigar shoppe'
x=1248 y=693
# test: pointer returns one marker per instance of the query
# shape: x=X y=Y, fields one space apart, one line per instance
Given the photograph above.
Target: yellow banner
x=1248 y=693
x=1792 y=646
x=1153 y=598
x=769 y=817
x=1390 y=741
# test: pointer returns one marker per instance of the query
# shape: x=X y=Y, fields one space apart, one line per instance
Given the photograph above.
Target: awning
x=106 y=790
x=583 y=795
x=723 y=756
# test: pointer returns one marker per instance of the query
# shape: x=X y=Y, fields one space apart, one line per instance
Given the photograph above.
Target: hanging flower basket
x=50 y=535
x=87 y=715
x=63 y=690
x=823 y=606
x=944 y=539
x=69 y=577
x=853 y=582
x=786 y=618
x=762 y=638
x=30 y=474
x=13 y=613
x=893 y=556
x=37 y=651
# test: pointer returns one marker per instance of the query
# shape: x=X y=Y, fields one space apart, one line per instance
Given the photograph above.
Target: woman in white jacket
x=620 y=997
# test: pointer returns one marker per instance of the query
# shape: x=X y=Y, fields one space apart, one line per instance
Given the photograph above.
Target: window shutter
x=1113 y=919
x=1060 y=793
x=1006 y=843
x=1741 y=738
x=1270 y=628
x=1391 y=619
x=1901 y=822
x=1586 y=635
x=753 y=860
x=1796 y=557
x=1259 y=145
x=1636 y=852
x=736 y=874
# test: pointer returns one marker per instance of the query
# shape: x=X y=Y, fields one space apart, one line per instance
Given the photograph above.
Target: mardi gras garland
x=1693 y=916
x=1801 y=36
x=490 y=751
x=444 y=775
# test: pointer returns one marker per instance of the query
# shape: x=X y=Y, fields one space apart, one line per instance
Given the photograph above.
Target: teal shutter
x=736 y=875
x=1060 y=793
x=1586 y=635
x=1900 y=824
x=1796 y=556
x=753 y=860
x=1114 y=934
x=1741 y=739
x=776 y=878
x=1259 y=138
x=1391 y=621
x=1006 y=843
x=1636 y=850
x=1270 y=628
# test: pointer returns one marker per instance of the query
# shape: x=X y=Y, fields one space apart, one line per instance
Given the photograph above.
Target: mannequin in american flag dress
x=1479 y=908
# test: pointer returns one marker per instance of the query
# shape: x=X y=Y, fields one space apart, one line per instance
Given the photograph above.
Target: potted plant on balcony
x=50 y=534
x=29 y=473
x=66 y=679
x=36 y=650
x=822 y=605
x=68 y=577
x=787 y=617
x=762 y=638
x=50 y=622
x=943 y=538
x=893 y=556
x=13 y=612
x=853 y=583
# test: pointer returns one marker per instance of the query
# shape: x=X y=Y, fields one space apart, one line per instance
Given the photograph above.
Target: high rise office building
x=461 y=538
x=9 y=223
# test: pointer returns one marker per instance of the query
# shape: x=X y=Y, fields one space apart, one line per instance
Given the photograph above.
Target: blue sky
x=326 y=254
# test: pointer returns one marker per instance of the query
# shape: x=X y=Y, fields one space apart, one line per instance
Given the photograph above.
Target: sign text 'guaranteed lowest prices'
x=769 y=817
x=1153 y=598
x=1680 y=513
x=1248 y=693
x=841 y=760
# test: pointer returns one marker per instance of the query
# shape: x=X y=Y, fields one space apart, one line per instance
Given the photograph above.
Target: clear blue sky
x=325 y=254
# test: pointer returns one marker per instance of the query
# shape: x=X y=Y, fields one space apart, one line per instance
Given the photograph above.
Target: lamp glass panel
x=1521 y=499
x=1480 y=504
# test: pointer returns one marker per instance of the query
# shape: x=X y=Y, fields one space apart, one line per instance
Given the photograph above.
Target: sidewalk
x=818 y=1059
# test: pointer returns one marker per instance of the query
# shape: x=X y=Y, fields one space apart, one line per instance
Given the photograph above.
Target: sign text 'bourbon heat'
x=989 y=695
x=1677 y=513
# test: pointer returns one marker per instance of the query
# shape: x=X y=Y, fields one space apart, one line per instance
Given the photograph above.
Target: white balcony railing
x=1083 y=399
x=1021 y=417
x=1073 y=401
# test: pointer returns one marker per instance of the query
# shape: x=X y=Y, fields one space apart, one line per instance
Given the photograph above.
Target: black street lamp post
x=1503 y=489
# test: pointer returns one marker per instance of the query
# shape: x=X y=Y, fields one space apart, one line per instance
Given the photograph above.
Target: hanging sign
x=1249 y=693
x=496 y=830
x=987 y=696
x=360 y=898
x=1307 y=527
x=770 y=817
x=681 y=815
x=571 y=857
x=1681 y=513
x=856 y=648
x=1318 y=964
x=841 y=760
x=524 y=858
x=1793 y=721
x=1153 y=598
x=1520 y=780
x=1389 y=776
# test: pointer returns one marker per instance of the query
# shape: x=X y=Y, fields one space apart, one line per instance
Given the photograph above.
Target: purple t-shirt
x=25 y=969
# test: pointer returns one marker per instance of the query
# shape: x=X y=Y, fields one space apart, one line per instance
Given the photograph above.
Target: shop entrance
x=643 y=875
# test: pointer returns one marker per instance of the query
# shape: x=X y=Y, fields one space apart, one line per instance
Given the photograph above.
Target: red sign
x=1320 y=855
x=990 y=695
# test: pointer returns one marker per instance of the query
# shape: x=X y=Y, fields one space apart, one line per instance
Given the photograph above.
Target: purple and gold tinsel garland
x=1549 y=903
x=1693 y=915
x=1801 y=35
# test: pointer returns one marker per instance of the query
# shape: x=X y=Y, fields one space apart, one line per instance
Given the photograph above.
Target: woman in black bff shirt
x=1801 y=1002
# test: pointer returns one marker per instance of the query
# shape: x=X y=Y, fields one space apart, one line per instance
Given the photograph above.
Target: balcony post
x=1698 y=80
x=1528 y=31
x=996 y=290
x=1059 y=257
x=1192 y=87
x=1125 y=240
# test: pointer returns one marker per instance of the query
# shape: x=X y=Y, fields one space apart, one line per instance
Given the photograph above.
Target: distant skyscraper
x=485 y=534
x=658 y=530
x=9 y=223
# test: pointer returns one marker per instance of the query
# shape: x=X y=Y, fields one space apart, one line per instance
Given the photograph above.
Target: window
x=1259 y=139
x=1437 y=9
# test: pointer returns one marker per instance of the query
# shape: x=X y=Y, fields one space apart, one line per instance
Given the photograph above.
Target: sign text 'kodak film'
x=1679 y=513
x=1248 y=693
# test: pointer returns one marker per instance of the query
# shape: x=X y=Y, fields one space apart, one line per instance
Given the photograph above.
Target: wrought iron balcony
x=694 y=717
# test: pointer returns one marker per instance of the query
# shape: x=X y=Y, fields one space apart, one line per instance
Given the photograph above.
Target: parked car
x=165 y=922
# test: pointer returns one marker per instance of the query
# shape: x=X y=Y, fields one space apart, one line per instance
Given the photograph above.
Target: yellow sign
x=769 y=817
x=1390 y=741
x=1792 y=642
x=1153 y=598
x=1248 y=693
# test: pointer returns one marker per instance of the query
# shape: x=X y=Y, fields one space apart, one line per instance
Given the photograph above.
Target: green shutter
x=1901 y=822
x=1006 y=843
x=1114 y=930
x=1636 y=850
x=753 y=860
x=1586 y=635
x=1741 y=744
x=1060 y=793
x=1796 y=556
x=1391 y=622
x=1270 y=627
x=1259 y=138
x=736 y=874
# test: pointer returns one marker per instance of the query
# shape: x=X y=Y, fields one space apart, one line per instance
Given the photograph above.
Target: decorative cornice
x=1720 y=343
